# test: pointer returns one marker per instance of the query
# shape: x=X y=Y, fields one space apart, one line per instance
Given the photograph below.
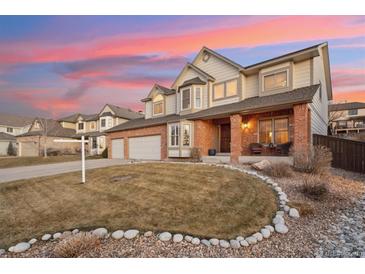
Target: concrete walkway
x=27 y=172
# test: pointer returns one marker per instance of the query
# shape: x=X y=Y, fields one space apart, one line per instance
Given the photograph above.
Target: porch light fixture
x=244 y=125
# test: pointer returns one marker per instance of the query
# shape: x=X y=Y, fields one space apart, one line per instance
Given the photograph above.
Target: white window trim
x=178 y=126
x=273 y=73
x=224 y=83
x=181 y=97
x=101 y=125
x=272 y=127
x=182 y=135
x=196 y=90
x=153 y=108
x=83 y=127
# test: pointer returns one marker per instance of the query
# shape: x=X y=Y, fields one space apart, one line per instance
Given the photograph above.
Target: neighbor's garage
x=28 y=149
x=145 y=148
x=118 y=148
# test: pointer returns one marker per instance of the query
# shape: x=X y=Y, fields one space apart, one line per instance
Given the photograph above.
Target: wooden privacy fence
x=347 y=154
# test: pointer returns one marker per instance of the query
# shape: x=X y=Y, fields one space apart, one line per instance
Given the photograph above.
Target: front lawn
x=30 y=161
x=192 y=199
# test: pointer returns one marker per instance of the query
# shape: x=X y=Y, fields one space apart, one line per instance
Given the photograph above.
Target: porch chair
x=283 y=149
x=255 y=148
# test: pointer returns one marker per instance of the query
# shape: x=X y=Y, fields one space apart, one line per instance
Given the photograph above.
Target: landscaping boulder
x=224 y=243
x=118 y=234
x=244 y=243
x=66 y=234
x=261 y=165
x=281 y=228
x=148 y=234
x=46 y=237
x=188 y=238
x=130 y=234
x=214 y=241
x=11 y=249
x=75 y=231
x=165 y=236
x=265 y=233
x=294 y=213
x=234 y=244
x=32 y=241
x=57 y=235
x=258 y=236
x=100 y=232
x=177 y=238
x=270 y=228
x=251 y=240
x=239 y=238
x=21 y=247
x=278 y=220
x=281 y=213
x=286 y=208
x=195 y=241
x=205 y=242
x=2 y=251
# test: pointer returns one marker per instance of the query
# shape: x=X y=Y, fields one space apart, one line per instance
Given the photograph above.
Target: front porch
x=245 y=138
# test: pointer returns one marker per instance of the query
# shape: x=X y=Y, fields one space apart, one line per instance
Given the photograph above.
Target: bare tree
x=333 y=116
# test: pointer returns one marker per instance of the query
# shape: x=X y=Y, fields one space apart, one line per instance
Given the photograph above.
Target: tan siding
x=148 y=109
x=170 y=104
x=187 y=75
x=225 y=101
x=301 y=74
x=251 y=88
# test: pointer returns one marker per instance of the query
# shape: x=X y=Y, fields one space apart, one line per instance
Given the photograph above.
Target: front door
x=225 y=138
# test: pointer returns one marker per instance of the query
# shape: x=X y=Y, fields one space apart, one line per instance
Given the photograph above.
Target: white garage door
x=29 y=149
x=145 y=148
x=118 y=148
x=4 y=147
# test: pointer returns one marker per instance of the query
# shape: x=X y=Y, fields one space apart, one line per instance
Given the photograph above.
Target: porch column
x=302 y=129
x=236 y=137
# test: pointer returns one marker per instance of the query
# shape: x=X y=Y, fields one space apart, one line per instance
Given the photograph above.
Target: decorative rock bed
x=264 y=233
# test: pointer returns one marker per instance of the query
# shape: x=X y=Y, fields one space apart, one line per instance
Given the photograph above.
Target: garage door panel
x=145 y=148
x=118 y=148
x=29 y=149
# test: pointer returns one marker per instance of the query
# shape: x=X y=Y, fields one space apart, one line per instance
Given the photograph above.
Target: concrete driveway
x=27 y=172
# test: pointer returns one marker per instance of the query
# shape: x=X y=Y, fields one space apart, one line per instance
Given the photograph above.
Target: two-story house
x=347 y=119
x=11 y=126
x=217 y=105
x=92 y=126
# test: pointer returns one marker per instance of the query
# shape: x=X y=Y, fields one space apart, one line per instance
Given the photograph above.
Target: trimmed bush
x=278 y=170
x=77 y=245
x=11 y=150
x=104 y=154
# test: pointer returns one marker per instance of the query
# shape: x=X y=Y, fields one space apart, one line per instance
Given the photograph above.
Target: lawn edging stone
x=278 y=223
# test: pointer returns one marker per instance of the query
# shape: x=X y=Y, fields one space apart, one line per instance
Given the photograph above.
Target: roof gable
x=198 y=71
x=158 y=89
x=217 y=55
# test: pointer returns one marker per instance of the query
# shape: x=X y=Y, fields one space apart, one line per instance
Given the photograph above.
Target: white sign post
x=82 y=141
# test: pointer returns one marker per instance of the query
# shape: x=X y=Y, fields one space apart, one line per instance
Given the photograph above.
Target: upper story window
x=158 y=105
x=103 y=122
x=198 y=97
x=185 y=99
x=277 y=80
x=9 y=130
x=92 y=125
x=81 y=126
x=352 y=112
x=225 y=89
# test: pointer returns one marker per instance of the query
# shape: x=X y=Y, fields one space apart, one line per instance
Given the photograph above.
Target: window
x=265 y=131
x=231 y=88
x=281 y=133
x=92 y=125
x=103 y=123
x=276 y=80
x=94 y=142
x=9 y=129
x=218 y=92
x=274 y=131
x=198 y=95
x=174 y=135
x=157 y=108
x=186 y=135
x=226 y=89
x=185 y=94
x=81 y=126
x=352 y=112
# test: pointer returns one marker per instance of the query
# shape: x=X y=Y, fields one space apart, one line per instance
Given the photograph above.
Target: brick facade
x=236 y=137
x=302 y=128
x=205 y=132
x=140 y=132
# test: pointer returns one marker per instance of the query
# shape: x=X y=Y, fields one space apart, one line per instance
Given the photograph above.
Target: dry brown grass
x=194 y=199
x=77 y=245
x=305 y=209
x=31 y=161
x=279 y=170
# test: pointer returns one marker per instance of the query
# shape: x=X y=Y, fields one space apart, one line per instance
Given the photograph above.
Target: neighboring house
x=5 y=140
x=42 y=133
x=215 y=103
x=14 y=124
x=93 y=126
x=347 y=119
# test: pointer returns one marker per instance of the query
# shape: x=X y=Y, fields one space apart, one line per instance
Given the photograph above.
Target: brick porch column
x=236 y=137
x=302 y=129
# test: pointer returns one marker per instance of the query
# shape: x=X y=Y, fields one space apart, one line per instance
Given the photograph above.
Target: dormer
x=159 y=102
x=80 y=125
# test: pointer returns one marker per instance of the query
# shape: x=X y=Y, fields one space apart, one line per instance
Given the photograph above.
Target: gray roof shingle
x=15 y=120
x=5 y=136
x=54 y=129
x=346 y=106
